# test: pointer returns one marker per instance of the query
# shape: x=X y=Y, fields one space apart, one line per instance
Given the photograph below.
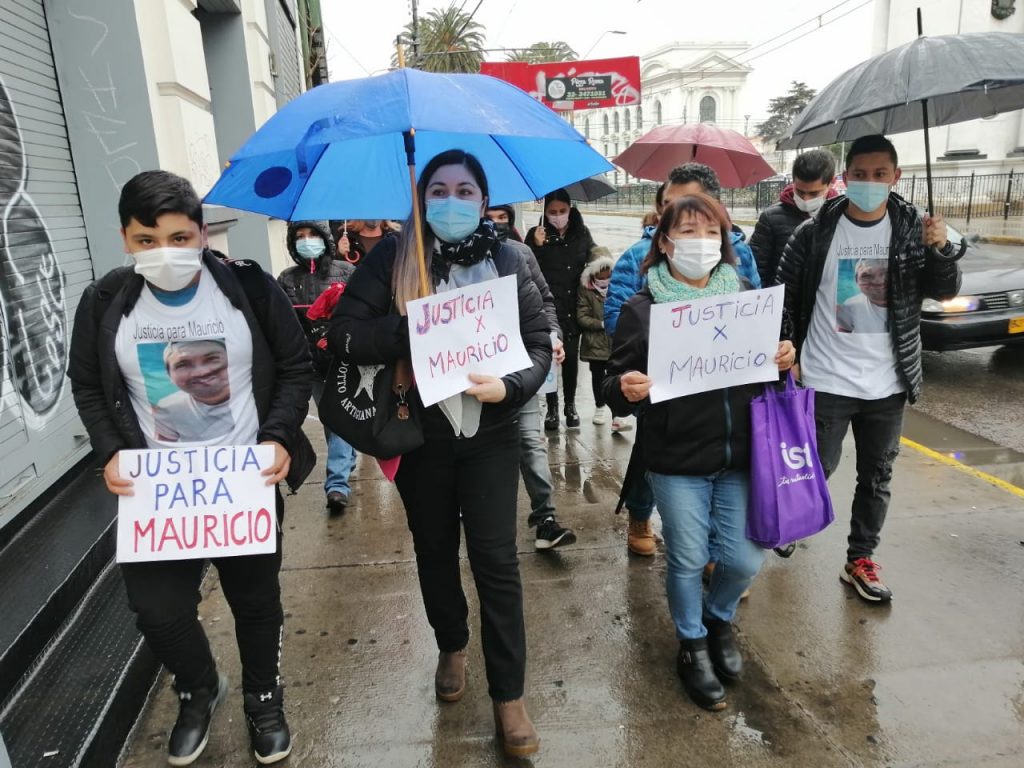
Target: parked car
x=988 y=311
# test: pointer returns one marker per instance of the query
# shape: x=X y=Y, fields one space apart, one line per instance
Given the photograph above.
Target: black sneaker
x=862 y=575
x=786 y=550
x=192 y=728
x=268 y=730
x=550 y=535
x=572 y=418
x=336 y=502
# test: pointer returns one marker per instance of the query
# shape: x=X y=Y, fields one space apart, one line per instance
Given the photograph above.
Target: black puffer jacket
x=303 y=286
x=694 y=435
x=369 y=331
x=281 y=382
x=915 y=273
x=562 y=260
x=774 y=227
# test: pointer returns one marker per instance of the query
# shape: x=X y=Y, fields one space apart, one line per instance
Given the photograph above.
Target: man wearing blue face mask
x=316 y=269
x=869 y=249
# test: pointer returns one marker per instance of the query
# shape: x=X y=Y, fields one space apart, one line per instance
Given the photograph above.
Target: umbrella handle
x=421 y=262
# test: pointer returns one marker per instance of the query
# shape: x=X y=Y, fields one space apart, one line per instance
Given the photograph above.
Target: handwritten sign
x=473 y=329
x=707 y=344
x=208 y=501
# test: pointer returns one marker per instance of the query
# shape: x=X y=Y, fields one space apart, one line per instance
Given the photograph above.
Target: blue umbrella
x=342 y=150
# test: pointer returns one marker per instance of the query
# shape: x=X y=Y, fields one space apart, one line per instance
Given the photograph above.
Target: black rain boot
x=572 y=418
x=192 y=728
x=551 y=419
x=725 y=656
x=693 y=665
x=268 y=730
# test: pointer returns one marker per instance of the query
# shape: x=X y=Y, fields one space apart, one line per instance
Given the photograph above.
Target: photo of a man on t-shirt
x=201 y=408
x=865 y=311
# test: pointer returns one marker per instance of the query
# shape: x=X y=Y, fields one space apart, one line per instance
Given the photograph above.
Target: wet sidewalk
x=935 y=679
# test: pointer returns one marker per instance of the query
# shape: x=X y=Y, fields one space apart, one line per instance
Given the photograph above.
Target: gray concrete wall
x=106 y=103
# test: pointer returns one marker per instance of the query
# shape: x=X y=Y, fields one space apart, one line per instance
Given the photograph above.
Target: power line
x=351 y=55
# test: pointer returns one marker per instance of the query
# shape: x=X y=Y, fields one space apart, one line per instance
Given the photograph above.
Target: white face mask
x=809 y=206
x=695 y=257
x=169 y=269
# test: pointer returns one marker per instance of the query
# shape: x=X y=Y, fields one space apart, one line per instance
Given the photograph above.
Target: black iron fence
x=973 y=196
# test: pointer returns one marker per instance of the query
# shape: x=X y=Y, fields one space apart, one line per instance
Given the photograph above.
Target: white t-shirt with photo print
x=848 y=350
x=188 y=369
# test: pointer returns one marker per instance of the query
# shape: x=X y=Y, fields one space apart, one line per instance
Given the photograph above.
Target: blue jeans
x=691 y=509
x=341 y=457
x=533 y=462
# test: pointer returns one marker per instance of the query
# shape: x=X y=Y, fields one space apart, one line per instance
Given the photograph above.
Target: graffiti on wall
x=33 y=316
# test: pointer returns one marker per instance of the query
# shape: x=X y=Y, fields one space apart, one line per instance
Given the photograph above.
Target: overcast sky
x=361 y=43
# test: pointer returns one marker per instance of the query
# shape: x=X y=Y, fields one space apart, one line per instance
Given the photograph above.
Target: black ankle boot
x=551 y=419
x=725 y=656
x=572 y=419
x=192 y=728
x=693 y=665
x=268 y=730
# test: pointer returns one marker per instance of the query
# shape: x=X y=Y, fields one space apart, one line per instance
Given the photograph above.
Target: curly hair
x=702 y=174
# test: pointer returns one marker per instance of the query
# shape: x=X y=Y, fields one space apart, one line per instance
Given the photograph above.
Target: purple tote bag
x=789 y=496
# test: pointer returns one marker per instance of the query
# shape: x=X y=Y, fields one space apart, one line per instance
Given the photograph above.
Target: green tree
x=783 y=110
x=538 y=53
x=448 y=41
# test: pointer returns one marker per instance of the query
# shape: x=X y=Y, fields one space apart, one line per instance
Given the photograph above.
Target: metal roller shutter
x=289 y=78
x=44 y=263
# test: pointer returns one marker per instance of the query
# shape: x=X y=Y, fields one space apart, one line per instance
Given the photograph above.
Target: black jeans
x=165 y=595
x=477 y=478
x=570 y=369
x=597 y=380
x=877 y=425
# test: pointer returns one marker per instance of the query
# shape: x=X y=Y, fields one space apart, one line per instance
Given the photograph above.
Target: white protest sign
x=208 y=501
x=472 y=329
x=721 y=341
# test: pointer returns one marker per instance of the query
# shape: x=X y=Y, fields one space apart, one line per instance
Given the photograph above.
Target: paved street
x=935 y=679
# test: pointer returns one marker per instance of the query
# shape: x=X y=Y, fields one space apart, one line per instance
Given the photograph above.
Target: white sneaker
x=600 y=415
x=621 y=425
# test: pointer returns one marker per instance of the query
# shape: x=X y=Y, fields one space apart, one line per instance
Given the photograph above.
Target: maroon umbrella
x=730 y=154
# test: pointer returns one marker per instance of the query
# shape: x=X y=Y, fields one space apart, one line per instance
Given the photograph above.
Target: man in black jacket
x=813 y=173
x=122 y=366
x=869 y=256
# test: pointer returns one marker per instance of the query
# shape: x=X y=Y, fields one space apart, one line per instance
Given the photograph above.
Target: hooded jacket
x=281 y=382
x=915 y=273
x=302 y=285
x=513 y=233
x=562 y=259
x=595 y=344
x=774 y=227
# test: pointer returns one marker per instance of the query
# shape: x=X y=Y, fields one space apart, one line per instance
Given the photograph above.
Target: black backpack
x=251 y=277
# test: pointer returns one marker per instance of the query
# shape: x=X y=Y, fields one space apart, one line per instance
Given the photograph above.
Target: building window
x=640 y=118
x=586 y=127
x=606 y=125
x=606 y=150
x=615 y=121
x=625 y=116
x=616 y=149
x=707 y=109
x=657 y=113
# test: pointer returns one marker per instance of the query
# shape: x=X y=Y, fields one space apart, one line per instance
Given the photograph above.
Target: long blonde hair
x=405 y=275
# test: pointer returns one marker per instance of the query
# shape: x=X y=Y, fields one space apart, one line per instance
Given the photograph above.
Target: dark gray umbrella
x=588 y=190
x=929 y=82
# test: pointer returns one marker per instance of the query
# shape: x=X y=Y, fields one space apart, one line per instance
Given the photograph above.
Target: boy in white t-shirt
x=855 y=277
x=177 y=351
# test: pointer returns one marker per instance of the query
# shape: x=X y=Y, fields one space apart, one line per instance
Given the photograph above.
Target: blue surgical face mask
x=310 y=247
x=867 y=195
x=453 y=219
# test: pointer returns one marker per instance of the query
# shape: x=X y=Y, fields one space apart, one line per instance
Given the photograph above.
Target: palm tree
x=538 y=53
x=449 y=41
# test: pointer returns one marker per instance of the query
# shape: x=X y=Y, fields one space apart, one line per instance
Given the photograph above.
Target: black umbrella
x=929 y=82
x=588 y=190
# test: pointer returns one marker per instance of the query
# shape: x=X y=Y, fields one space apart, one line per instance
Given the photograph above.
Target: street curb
x=1001 y=240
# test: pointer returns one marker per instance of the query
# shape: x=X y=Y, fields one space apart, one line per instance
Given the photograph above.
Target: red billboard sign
x=568 y=85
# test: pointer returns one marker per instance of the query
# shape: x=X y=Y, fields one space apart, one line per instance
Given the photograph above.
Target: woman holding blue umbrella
x=468 y=468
